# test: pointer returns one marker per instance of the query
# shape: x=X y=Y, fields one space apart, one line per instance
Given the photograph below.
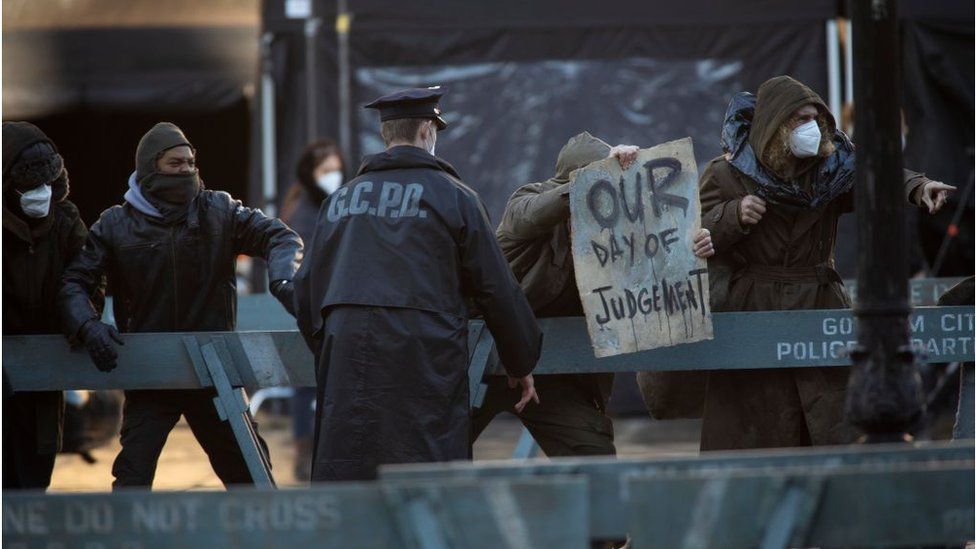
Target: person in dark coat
x=319 y=172
x=42 y=232
x=169 y=252
x=534 y=235
x=772 y=204
x=383 y=303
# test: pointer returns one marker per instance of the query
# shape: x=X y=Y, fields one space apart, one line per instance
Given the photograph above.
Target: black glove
x=98 y=338
x=284 y=291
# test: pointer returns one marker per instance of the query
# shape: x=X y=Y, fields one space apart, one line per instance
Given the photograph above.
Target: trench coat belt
x=821 y=273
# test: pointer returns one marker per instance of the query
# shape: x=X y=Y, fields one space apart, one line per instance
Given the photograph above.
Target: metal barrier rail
x=608 y=476
x=229 y=361
x=544 y=512
x=254 y=360
x=880 y=496
x=922 y=292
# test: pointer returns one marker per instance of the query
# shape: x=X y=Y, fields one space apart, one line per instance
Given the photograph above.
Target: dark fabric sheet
x=525 y=76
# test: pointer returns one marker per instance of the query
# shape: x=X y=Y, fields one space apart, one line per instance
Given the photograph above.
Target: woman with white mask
x=772 y=202
x=319 y=173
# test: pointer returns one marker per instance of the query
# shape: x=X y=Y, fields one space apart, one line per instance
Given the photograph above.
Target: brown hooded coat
x=785 y=262
x=534 y=236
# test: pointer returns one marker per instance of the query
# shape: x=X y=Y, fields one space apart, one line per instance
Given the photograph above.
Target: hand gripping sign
x=641 y=285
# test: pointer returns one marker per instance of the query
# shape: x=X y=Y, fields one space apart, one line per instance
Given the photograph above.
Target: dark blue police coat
x=383 y=299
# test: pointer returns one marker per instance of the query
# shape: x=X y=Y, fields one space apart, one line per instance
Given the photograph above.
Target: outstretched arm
x=258 y=235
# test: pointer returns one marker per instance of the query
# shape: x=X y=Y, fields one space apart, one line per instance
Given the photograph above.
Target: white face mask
x=329 y=181
x=805 y=140
x=36 y=202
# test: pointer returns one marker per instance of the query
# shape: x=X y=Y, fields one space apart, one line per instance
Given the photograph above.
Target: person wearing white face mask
x=319 y=172
x=772 y=202
x=42 y=232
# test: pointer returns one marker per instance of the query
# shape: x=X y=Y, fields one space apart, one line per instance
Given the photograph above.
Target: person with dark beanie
x=169 y=252
x=42 y=232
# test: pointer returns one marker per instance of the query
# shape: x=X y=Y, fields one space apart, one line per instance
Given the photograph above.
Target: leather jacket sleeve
x=532 y=213
x=488 y=280
x=82 y=292
x=258 y=235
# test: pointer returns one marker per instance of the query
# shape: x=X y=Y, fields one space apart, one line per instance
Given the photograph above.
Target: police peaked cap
x=413 y=103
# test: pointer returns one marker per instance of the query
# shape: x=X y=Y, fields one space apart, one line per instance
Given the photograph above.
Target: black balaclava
x=171 y=194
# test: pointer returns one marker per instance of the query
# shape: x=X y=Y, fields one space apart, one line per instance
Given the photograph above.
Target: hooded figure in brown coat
x=772 y=203
x=534 y=235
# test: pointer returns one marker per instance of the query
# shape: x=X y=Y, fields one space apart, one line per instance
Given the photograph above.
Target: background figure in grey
x=319 y=173
x=383 y=302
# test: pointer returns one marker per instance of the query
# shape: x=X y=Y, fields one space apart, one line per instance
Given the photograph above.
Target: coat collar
x=405 y=157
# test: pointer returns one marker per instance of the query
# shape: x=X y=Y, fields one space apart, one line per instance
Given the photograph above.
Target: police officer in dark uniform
x=383 y=303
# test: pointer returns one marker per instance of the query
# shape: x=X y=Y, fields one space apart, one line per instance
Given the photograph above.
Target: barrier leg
x=791 y=519
x=526 y=447
x=231 y=406
x=416 y=520
x=965 y=427
x=481 y=346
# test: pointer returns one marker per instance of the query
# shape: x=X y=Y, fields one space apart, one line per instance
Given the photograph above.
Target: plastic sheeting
x=509 y=120
x=835 y=175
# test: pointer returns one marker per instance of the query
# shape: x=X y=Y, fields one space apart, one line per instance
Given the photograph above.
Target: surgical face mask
x=36 y=202
x=805 y=140
x=329 y=181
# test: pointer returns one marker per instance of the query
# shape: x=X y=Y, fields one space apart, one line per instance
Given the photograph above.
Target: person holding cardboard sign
x=534 y=235
x=772 y=202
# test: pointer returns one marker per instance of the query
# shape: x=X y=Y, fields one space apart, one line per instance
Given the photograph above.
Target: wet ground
x=184 y=466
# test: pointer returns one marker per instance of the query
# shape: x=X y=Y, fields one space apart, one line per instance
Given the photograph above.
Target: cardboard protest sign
x=641 y=284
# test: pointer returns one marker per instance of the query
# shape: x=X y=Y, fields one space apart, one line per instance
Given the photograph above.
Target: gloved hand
x=98 y=338
x=284 y=292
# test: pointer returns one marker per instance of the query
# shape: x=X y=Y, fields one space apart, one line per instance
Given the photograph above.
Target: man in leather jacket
x=169 y=252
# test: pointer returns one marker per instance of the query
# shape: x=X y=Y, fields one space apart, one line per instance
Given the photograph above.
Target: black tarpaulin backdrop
x=938 y=64
x=526 y=76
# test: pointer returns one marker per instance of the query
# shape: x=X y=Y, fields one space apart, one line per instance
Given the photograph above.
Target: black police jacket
x=407 y=233
x=175 y=277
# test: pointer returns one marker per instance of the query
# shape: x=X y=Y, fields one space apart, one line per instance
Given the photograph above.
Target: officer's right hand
x=98 y=338
x=528 y=391
x=751 y=210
